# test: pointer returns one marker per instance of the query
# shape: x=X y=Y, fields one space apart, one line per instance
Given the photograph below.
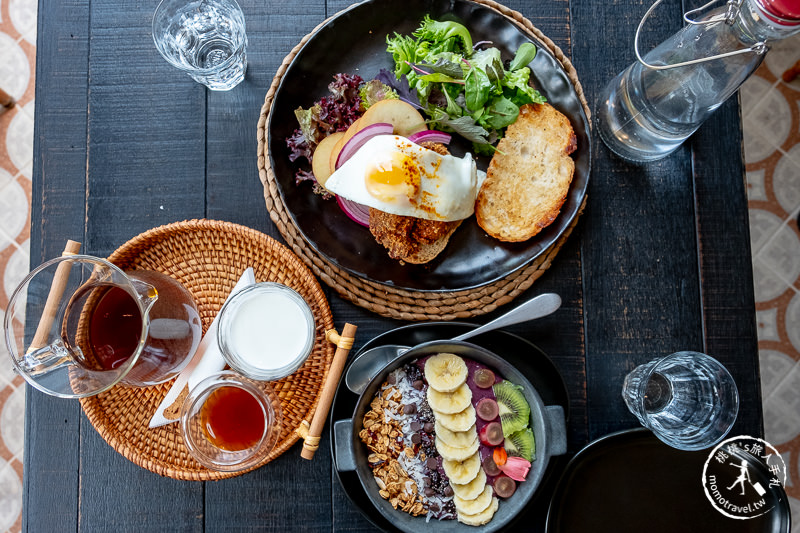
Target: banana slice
x=463 y=472
x=459 y=439
x=450 y=402
x=452 y=453
x=471 y=490
x=481 y=518
x=475 y=505
x=456 y=422
x=445 y=372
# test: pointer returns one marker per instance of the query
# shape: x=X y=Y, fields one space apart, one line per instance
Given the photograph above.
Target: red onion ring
x=361 y=137
x=357 y=212
x=433 y=136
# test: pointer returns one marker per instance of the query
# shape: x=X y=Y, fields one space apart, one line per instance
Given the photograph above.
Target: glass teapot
x=78 y=325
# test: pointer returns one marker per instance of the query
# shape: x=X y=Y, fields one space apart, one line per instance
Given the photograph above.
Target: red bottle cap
x=784 y=12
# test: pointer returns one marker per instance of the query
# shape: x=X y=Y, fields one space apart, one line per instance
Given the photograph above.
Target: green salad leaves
x=462 y=90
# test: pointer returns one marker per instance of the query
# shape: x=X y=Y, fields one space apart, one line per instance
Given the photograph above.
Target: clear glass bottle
x=650 y=108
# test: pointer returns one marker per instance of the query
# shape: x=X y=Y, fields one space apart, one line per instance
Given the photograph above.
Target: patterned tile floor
x=771 y=113
x=17 y=56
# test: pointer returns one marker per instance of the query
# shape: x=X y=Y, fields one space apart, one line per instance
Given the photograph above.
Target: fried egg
x=397 y=176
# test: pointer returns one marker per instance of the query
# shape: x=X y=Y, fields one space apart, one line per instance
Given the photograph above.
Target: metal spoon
x=367 y=365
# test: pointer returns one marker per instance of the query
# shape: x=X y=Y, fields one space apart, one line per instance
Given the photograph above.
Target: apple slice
x=320 y=162
x=354 y=128
x=402 y=115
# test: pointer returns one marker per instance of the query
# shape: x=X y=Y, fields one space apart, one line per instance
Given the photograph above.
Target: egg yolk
x=392 y=176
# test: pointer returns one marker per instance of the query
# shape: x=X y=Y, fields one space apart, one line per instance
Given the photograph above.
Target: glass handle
x=733 y=9
x=37 y=362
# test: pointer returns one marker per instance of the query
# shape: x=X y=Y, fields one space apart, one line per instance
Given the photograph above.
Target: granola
x=405 y=467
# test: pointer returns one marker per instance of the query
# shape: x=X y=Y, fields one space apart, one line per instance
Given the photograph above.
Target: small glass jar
x=230 y=423
x=266 y=331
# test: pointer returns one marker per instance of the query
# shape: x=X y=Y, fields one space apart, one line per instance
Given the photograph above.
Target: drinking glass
x=266 y=331
x=229 y=422
x=687 y=399
x=204 y=38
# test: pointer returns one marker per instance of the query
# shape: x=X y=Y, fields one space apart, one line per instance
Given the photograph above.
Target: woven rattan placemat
x=208 y=257
x=384 y=299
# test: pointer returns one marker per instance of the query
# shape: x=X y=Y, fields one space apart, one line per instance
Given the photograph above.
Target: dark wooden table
x=659 y=262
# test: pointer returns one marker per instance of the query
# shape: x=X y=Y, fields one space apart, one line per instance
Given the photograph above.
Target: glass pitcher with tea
x=78 y=325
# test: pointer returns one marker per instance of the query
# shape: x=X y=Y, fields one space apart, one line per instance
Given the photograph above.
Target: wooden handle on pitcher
x=311 y=433
x=40 y=339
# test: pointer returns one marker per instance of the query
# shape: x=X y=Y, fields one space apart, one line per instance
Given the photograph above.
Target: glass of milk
x=266 y=331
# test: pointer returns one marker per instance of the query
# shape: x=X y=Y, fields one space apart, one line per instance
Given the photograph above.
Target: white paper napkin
x=206 y=361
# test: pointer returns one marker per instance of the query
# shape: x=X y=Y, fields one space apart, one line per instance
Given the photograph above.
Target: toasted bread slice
x=409 y=239
x=529 y=175
x=427 y=252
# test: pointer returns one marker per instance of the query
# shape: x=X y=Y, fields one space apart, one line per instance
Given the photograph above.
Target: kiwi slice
x=514 y=409
x=521 y=444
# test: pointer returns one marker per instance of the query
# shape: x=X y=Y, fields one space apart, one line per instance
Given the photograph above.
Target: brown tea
x=103 y=326
x=115 y=328
x=232 y=419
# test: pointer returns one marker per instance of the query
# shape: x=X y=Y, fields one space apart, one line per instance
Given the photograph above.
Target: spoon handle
x=537 y=307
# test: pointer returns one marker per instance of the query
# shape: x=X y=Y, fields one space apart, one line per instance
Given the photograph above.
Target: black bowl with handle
x=547 y=422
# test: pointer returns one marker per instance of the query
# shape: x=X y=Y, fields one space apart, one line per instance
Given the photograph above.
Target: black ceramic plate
x=355 y=42
x=525 y=356
x=632 y=482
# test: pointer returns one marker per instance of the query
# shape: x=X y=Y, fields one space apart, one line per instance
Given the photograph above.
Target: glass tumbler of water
x=204 y=38
x=687 y=399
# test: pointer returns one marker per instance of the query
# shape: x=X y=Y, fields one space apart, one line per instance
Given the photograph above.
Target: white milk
x=269 y=330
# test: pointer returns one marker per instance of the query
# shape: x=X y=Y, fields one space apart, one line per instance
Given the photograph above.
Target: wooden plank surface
x=726 y=273
x=146 y=131
x=52 y=426
x=643 y=299
x=275 y=497
x=146 y=167
x=645 y=272
x=648 y=297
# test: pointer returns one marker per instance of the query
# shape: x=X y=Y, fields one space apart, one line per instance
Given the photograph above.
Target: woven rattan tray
x=388 y=300
x=208 y=257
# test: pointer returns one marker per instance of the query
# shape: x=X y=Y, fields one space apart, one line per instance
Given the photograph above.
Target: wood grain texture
x=52 y=426
x=649 y=290
x=272 y=498
x=233 y=190
x=145 y=141
x=726 y=273
x=146 y=131
x=643 y=297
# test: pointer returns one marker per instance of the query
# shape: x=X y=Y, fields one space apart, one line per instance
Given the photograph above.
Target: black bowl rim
x=542 y=457
x=415 y=280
